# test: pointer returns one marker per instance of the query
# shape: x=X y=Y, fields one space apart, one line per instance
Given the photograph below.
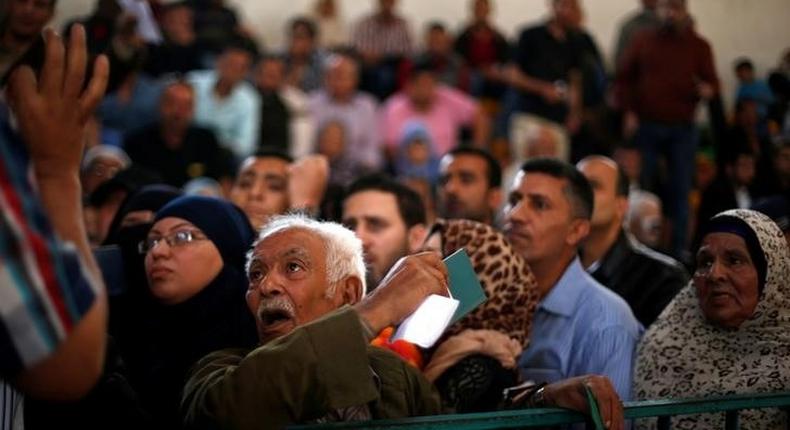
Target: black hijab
x=173 y=337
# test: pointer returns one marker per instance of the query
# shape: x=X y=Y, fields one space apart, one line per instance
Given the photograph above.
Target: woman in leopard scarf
x=728 y=331
x=477 y=357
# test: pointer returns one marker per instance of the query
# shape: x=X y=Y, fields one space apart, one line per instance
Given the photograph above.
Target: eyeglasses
x=179 y=238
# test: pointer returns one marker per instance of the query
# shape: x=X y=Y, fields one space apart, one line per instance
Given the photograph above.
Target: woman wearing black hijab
x=194 y=265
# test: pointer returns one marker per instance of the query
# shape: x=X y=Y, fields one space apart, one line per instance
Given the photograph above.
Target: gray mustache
x=277 y=304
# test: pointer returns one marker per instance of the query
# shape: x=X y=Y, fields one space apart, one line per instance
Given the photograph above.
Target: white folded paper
x=428 y=322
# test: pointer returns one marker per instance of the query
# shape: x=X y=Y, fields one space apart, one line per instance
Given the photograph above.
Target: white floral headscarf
x=682 y=355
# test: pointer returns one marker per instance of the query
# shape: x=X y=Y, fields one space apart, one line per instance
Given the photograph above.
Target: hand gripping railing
x=663 y=409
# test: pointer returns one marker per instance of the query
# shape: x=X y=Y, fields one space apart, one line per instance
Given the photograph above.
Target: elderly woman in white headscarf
x=728 y=332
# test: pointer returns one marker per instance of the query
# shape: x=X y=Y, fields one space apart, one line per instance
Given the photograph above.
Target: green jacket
x=318 y=369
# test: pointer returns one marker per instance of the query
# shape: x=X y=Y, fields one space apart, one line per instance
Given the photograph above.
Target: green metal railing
x=663 y=409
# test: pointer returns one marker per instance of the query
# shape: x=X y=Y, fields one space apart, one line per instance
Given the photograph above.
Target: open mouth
x=275 y=313
x=274 y=317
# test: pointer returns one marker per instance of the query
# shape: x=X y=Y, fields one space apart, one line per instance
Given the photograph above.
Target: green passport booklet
x=464 y=285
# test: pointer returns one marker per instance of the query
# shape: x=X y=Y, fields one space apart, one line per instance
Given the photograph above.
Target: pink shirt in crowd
x=451 y=110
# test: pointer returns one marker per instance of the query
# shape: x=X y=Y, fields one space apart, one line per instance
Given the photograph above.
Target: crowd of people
x=197 y=232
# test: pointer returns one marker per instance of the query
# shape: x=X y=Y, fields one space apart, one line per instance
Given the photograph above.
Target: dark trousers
x=677 y=143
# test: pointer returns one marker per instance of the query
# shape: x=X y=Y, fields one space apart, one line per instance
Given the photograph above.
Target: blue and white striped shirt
x=580 y=328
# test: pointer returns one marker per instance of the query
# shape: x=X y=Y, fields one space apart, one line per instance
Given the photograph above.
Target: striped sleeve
x=44 y=289
x=610 y=352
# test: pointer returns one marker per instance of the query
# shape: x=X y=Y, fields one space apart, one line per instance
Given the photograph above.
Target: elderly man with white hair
x=301 y=271
x=315 y=364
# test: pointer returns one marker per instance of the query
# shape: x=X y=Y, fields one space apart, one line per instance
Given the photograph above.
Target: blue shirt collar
x=564 y=296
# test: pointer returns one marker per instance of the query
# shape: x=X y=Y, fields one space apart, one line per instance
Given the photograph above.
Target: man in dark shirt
x=176 y=149
x=646 y=279
x=664 y=73
x=484 y=48
x=547 y=75
x=275 y=113
x=179 y=52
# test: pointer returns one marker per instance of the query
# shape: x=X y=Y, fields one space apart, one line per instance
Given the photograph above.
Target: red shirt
x=659 y=74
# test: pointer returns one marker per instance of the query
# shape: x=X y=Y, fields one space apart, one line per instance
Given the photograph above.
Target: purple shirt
x=360 y=120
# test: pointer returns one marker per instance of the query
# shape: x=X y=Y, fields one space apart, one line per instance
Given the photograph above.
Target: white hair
x=105 y=151
x=343 y=249
x=638 y=199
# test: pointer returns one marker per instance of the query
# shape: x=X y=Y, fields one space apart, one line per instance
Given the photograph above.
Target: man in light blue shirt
x=580 y=327
x=226 y=103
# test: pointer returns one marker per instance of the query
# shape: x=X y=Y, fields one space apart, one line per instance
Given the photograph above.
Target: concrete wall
x=757 y=28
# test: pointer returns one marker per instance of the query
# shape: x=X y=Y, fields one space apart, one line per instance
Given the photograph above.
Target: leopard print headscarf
x=683 y=356
x=506 y=279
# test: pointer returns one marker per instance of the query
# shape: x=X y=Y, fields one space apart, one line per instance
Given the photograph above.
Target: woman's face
x=726 y=280
x=178 y=268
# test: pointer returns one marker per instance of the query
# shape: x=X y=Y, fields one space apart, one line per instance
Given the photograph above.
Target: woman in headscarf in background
x=477 y=358
x=728 y=331
x=194 y=266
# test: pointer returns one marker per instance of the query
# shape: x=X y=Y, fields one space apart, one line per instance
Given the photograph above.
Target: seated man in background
x=470 y=181
x=174 y=147
x=443 y=109
x=340 y=100
x=271 y=183
x=315 y=365
x=226 y=103
x=646 y=279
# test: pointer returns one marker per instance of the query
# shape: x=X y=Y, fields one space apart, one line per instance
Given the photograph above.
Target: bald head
x=610 y=190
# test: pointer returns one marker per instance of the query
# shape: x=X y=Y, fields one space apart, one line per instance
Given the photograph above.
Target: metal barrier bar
x=663 y=409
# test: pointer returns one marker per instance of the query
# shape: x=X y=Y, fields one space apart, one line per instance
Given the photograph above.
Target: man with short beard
x=470 y=181
x=388 y=217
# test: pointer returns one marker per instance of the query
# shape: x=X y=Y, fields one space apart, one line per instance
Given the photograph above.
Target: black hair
x=410 y=205
x=419 y=65
x=265 y=152
x=494 y=173
x=239 y=43
x=436 y=26
x=744 y=62
x=622 y=186
x=578 y=189
x=307 y=23
x=737 y=149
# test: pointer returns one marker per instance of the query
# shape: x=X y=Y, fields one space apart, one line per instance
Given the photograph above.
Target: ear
x=579 y=230
x=621 y=207
x=349 y=290
x=494 y=198
x=416 y=237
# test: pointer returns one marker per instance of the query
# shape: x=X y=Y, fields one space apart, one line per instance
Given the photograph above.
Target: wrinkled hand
x=570 y=394
x=307 y=180
x=408 y=283
x=52 y=110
